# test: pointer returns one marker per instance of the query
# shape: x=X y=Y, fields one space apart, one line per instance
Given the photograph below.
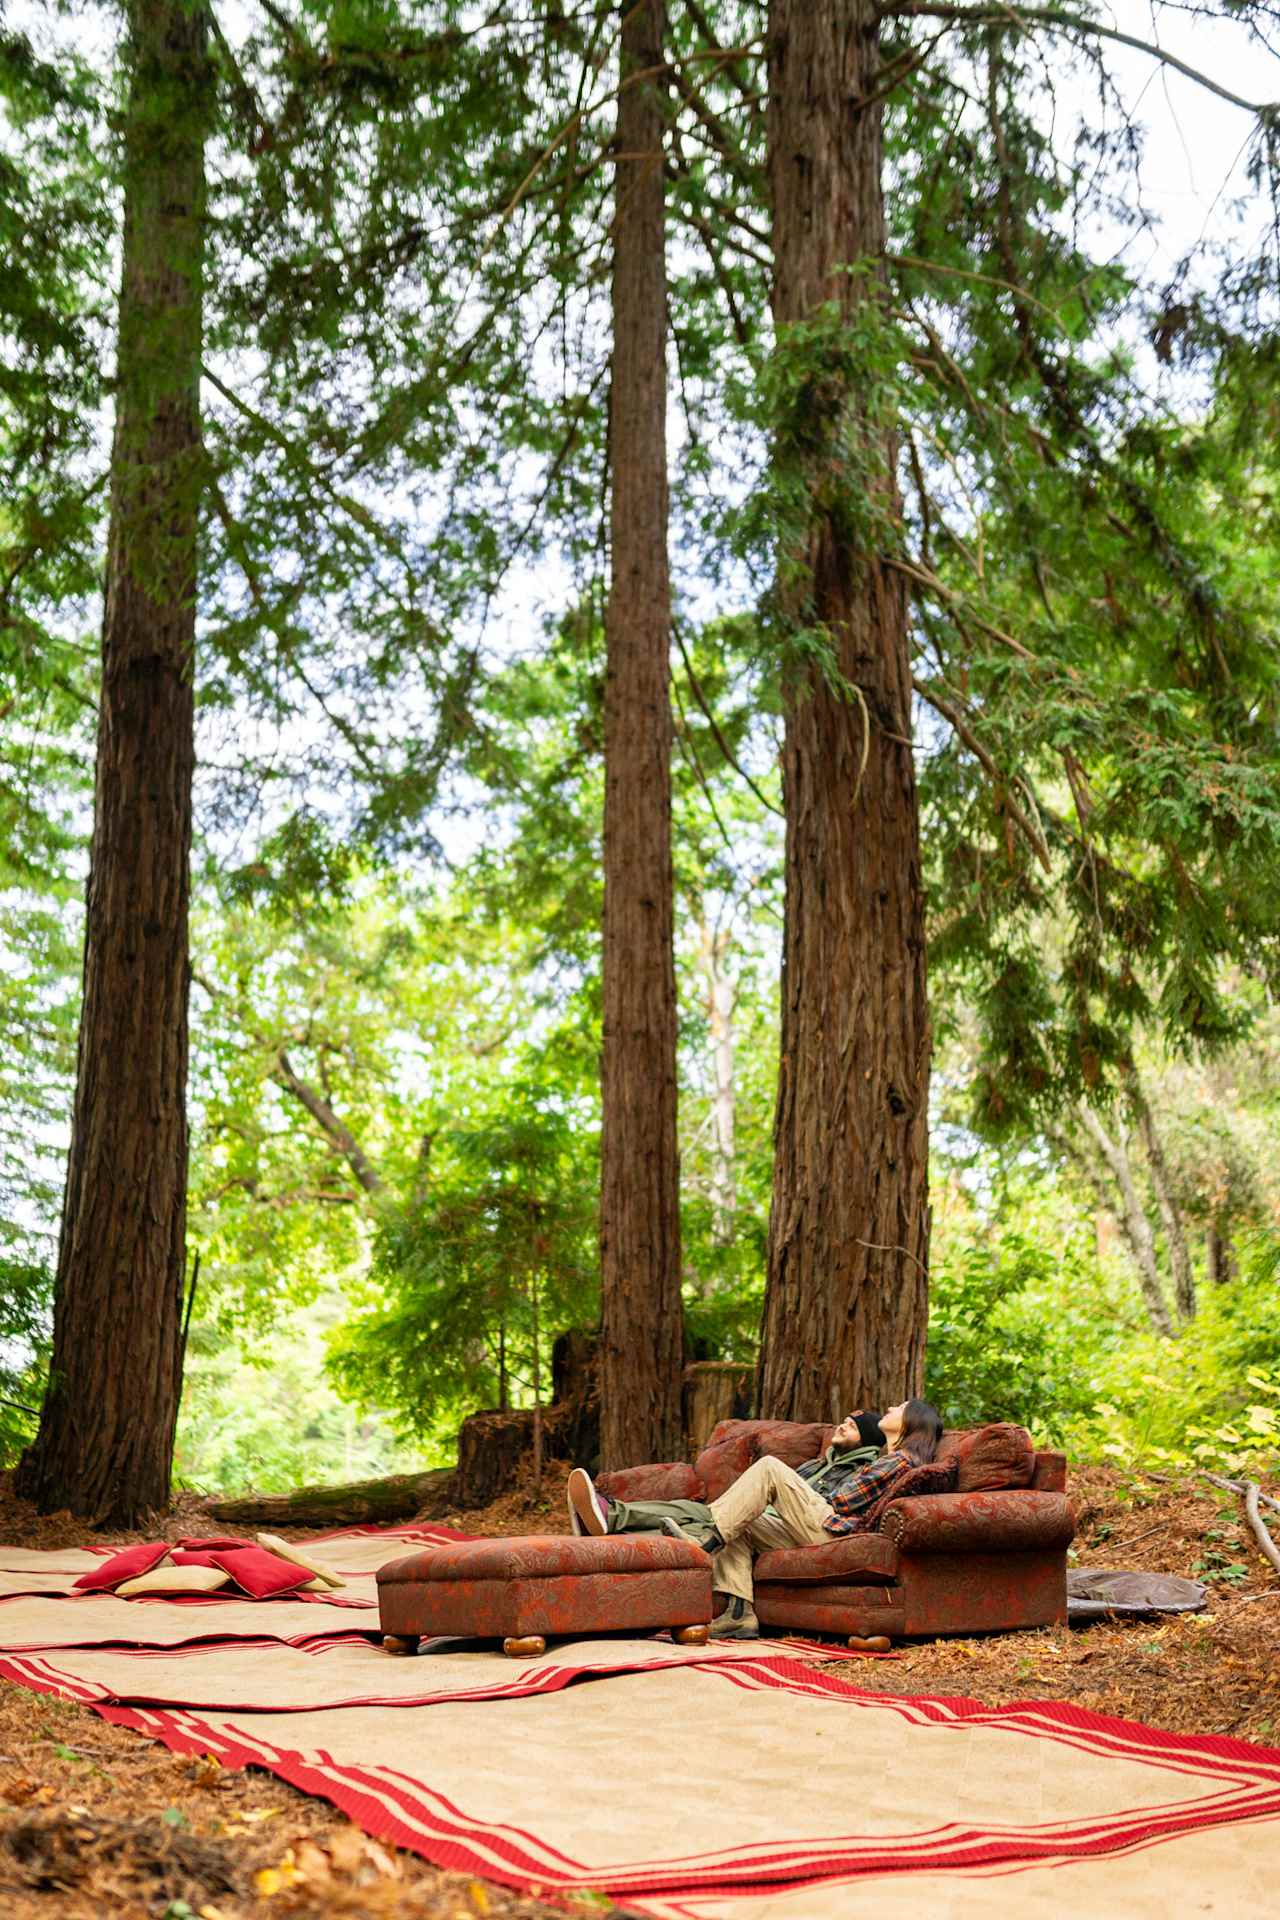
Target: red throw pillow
x=219 y=1543
x=719 y=1465
x=261 y=1574
x=126 y=1565
x=935 y=1476
x=994 y=1457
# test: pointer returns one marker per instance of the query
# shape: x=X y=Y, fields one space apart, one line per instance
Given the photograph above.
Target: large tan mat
x=723 y=1776
x=1228 y=1872
x=345 y=1670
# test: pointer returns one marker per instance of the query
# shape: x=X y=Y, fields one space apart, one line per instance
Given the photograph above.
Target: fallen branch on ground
x=1265 y=1542
x=1233 y=1486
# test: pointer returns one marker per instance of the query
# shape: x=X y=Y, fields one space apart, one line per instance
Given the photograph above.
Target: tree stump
x=492 y=1445
x=714 y=1390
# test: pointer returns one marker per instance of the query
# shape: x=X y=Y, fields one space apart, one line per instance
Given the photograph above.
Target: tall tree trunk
x=641 y=1329
x=1184 y=1284
x=105 y=1445
x=1220 y=1260
x=846 y=1300
x=1133 y=1220
x=720 y=1019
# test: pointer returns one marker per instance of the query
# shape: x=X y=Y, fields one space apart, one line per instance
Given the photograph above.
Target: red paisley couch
x=988 y=1557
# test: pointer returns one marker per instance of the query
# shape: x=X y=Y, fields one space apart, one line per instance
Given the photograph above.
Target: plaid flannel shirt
x=863 y=1488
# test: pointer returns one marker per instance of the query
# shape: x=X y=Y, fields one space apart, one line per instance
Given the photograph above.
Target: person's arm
x=861 y=1491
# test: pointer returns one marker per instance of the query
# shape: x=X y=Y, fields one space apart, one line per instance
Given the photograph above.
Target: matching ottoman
x=522 y=1590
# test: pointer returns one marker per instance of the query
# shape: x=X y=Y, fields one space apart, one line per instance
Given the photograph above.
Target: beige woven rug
x=722 y=1777
x=1224 y=1872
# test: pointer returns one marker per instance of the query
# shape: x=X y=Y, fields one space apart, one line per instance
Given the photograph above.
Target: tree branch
x=1011 y=16
x=327 y=1120
x=954 y=718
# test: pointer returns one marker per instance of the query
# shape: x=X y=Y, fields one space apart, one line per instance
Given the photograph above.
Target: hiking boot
x=588 y=1507
x=711 y=1543
x=737 y=1622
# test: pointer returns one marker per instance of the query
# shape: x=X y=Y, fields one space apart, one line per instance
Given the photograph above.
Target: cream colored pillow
x=171 y=1579
x=285 y=1550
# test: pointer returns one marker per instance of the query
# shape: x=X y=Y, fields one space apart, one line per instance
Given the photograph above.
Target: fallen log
x=400 y=1496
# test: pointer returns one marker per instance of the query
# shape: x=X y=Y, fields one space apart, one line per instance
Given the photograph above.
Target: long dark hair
x=921 y=1431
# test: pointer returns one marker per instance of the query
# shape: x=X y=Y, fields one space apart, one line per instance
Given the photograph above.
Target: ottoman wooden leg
x=400 y=1643
x=875 y=1643
x=529 y=1643
x=691 y=1636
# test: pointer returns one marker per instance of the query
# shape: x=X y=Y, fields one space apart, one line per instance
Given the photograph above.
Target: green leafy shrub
x=1006 y=1321
x=1209 y=1398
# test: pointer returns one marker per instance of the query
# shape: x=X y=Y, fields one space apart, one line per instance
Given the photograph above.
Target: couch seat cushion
x=852 y=1559
x=989 y=1458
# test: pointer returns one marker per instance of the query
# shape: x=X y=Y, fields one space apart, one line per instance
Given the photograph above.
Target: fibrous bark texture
x=641 y=1326
x=105 y=1445
x=846 y=1301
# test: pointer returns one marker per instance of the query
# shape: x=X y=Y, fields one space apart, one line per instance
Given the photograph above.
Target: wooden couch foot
x=531 y=1643
x=399 y=1643
x=690 y=1636
x=876 y=1643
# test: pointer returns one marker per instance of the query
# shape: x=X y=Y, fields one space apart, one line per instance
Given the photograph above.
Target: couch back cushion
x=794 y=1441
x=990 y=1458
x=725 y=1456
x=987 y=1458
x=735 y=1444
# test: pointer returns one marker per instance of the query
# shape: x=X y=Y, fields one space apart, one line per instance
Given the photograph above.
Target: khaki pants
x=796 y=1518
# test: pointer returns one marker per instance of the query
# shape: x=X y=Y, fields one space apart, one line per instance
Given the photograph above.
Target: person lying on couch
x=774 y=1505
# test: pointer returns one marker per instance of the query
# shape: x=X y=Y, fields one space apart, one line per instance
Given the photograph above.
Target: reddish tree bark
x=846 y=1299
x=105 y=1444
x=641 y=1325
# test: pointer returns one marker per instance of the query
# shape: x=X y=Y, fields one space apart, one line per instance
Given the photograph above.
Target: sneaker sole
x=582 y=1506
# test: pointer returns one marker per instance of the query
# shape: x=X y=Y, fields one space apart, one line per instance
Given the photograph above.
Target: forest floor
x=94 y=1819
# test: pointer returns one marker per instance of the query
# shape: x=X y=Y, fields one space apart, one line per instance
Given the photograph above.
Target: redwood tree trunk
x=105 y=1444
x=641 y=1329
x=846 y=1299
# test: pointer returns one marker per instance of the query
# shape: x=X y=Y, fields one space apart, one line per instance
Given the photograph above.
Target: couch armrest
x=668 y=1480
x=1050 y=1475
x=1013 y=1521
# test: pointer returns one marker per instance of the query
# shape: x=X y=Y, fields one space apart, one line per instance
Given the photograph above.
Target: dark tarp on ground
x=1095 y=1592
